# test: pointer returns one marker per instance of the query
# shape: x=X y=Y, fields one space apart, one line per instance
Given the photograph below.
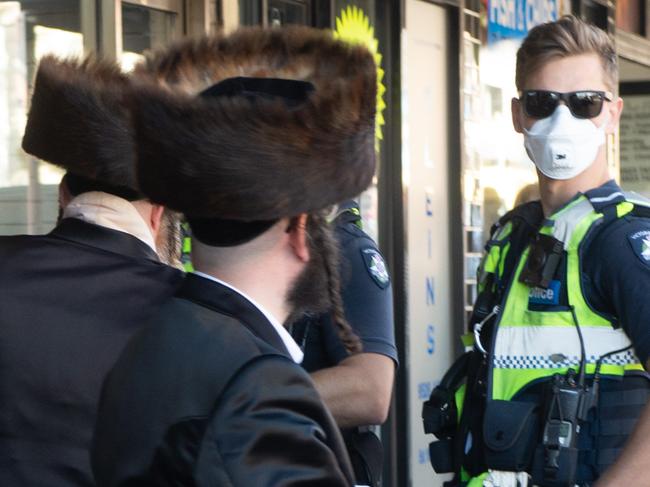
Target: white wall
x=425 y=161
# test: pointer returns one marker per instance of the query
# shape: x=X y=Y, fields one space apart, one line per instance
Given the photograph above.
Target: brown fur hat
x=78 y=120
x=229 y=157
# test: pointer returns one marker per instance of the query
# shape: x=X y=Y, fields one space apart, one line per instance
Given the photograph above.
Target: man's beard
x=310 y=292
x=169 y=242
x=317 y=288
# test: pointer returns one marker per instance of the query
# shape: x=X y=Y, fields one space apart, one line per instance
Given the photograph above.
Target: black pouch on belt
x=366 y=455
x=510 y=432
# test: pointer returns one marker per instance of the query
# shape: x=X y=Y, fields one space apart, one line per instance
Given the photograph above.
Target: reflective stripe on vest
x=532 y=345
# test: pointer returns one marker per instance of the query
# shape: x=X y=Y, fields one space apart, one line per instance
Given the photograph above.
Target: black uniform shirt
x=367 y=300
x=616 y=275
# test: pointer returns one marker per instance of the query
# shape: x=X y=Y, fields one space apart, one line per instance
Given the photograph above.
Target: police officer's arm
x=632 y=466
x=271 y=429
x=618 y=266
x=357 y=390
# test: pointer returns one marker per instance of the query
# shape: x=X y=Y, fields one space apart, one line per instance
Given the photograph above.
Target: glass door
x=275 y=12
x=30 y=29
x=130 y=27
x=148 y=25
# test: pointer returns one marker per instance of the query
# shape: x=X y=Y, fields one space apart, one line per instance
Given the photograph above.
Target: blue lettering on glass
x=423 y=456
x=431 y=340
x=428 y=203
x=512 y=19
x=431 y=295
x=424 y=390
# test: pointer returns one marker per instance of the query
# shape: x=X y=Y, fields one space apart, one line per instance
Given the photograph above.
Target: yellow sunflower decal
x=353 y=26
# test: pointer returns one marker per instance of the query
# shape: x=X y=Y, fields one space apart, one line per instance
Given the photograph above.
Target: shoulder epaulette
x=637 y=199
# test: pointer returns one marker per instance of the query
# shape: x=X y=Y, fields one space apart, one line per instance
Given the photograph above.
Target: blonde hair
x=566 y=37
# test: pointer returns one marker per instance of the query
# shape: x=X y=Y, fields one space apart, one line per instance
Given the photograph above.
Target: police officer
x=357 y=388
x=555 y=383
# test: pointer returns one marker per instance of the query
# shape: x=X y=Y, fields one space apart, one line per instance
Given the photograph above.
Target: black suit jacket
x=206 y=395
x=69 y=302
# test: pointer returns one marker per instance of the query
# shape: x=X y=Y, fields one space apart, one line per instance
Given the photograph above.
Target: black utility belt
x=515 y=439
x=539 y=436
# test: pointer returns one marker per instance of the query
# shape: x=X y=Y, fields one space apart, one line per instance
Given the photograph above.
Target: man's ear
x=64 y=194
x=615 y=111
x=155 y=218
x=515 y=109
x=298 y=238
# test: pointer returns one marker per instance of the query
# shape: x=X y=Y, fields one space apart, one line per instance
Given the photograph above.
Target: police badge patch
x=640 y=242
x=376 y=267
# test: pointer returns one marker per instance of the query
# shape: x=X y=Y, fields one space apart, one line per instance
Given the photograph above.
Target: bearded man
x=251 y=136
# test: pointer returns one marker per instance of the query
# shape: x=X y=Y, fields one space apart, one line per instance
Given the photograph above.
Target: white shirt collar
x=285 y=336
x=109 y=211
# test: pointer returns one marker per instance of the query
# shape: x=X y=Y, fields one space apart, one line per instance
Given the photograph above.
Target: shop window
x=250 y=12
x=595 y=13
x=282 y=12
x=29 y=29
x=144 y=28
x=275 y=12
x=635 y=137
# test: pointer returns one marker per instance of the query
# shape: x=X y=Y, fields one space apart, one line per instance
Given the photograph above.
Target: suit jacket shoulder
x=70 y=301
x=268 y=429
x=200 y=398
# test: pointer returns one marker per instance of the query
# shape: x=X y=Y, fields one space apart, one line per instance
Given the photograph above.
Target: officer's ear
x=615 y=109
x=298 y=238
x=517 y=114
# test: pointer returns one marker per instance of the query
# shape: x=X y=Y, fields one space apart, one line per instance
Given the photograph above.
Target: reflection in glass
x=285 y=12
x=250 y=13
x=143 y=29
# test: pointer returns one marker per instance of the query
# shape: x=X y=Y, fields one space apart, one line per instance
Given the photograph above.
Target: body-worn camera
x=543 y=260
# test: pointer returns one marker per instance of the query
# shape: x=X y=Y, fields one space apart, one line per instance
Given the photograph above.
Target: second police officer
x=555 y=384
x=356 y=388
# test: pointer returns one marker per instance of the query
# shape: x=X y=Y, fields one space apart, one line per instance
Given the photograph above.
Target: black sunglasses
x=582 y=104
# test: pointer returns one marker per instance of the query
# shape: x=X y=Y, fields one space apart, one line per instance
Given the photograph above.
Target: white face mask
x=562 y=146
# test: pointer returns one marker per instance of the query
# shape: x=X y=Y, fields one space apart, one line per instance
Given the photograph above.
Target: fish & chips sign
x=512 y=19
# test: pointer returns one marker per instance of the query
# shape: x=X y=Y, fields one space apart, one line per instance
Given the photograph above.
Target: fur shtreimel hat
x=78 y=121
x=227 y=153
